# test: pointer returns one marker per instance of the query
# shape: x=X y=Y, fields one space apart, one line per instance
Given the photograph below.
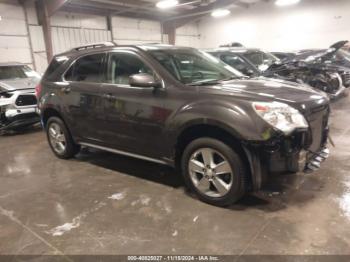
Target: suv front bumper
x=11 y=118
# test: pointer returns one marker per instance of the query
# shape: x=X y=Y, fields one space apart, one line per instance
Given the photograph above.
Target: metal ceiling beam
x=108 y=7
x=54 y=5
x=203 y=10
x=107 y=12
x=132 y=4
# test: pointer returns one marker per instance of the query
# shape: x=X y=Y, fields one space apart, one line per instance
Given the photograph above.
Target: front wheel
x=214 y=171
x=60 y=140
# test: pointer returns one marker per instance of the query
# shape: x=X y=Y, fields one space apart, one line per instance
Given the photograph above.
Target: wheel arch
x=199 y=130
x=50 y=112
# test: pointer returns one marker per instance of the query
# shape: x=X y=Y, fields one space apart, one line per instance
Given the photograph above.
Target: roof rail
x=94 y=45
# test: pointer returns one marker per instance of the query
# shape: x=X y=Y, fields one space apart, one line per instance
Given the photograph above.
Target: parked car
x=335 y=55
x=18 y=104
x=249 y=61
x=184 y=108
x=284 y=55
x=314 y=71
x=327 y=70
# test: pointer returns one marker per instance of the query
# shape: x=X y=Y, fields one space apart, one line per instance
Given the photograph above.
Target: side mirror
x=143 y=80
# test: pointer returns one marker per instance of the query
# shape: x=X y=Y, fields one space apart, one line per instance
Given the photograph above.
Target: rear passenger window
x=86 y=69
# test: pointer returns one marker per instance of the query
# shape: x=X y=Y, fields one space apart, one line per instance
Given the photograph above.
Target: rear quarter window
x=55 y=64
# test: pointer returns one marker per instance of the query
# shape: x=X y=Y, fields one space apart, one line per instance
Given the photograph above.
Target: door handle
x=65 y=90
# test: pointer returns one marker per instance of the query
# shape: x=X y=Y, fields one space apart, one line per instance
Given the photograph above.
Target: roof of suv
x=110 y=45
x=232 y=49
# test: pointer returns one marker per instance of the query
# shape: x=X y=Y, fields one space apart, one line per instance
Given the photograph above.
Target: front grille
x=26 y=100
x=318 y=123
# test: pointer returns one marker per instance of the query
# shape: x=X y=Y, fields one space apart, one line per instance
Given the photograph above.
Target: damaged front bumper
x=12 y=118
x=285 y=155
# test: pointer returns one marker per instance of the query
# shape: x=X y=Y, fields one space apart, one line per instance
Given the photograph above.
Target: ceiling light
x=164 y=4
x=286 y=2
x=220 y=12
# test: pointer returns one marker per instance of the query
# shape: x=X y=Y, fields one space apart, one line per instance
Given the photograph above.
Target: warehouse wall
x=188 y=35
x=135 y=31
x=70 y=30
x=14 y=39
x=310 y=24
x=22 y=40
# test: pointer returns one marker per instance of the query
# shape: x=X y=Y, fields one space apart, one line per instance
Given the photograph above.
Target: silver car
x=18 y=104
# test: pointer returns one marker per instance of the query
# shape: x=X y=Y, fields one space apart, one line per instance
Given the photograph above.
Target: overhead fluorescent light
x=164 y=4
x=220 y=12
x=286 y=2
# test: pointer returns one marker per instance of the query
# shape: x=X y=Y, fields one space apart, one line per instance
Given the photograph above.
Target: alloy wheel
x=210 y=172
x=57 y=138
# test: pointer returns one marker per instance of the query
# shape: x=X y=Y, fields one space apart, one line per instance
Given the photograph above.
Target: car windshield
x=191 y=66
x=16 y=72
x=260 y=59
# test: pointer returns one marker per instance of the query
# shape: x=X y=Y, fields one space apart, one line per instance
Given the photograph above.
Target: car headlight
x=281 y=116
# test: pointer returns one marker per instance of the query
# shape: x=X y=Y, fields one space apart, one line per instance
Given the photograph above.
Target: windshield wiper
x=203 y=83
x=232 y=78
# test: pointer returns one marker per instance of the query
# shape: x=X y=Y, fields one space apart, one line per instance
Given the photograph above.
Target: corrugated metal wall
x=21 y=36
x=188 y=35
x=135 y=31
x=14 y=40
x=70 y=30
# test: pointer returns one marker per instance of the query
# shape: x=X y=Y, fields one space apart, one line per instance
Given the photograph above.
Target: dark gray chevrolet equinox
x=182 y=107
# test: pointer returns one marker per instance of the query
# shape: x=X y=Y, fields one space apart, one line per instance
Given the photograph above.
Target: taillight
x=38 y=91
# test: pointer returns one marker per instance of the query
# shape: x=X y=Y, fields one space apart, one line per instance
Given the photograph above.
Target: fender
x=240 y=121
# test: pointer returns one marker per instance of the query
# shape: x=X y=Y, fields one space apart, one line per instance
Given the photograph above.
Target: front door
x=135 y=116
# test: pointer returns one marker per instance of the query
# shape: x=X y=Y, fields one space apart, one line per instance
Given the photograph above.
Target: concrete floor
x=102 y=203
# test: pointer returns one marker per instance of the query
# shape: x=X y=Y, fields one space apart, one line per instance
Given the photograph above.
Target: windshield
x=239 y=63
x=260 y=59
x=16 y=72
x=191 y=66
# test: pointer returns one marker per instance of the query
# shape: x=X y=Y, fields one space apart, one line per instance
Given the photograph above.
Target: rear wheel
x=214 y=171
x=60 y=140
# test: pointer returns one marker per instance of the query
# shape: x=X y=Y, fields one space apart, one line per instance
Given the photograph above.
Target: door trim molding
x=125 y=153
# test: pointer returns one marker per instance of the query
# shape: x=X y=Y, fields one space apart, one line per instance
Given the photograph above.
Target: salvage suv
x=18 y=104
x=182 y=107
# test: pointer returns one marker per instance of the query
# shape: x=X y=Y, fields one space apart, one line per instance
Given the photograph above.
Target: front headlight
x=281 y=116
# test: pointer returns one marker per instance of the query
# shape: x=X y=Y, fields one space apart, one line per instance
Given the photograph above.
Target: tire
x=70 y=149
x=211 y=184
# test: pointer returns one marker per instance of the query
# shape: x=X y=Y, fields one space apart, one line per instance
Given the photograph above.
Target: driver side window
x=123 y=65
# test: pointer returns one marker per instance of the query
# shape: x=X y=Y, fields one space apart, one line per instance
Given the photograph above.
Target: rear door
x=134 y=116
x=82 y=96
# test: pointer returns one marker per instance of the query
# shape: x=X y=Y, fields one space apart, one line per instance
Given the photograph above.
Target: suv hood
x=13 y=84
x=266 y=89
